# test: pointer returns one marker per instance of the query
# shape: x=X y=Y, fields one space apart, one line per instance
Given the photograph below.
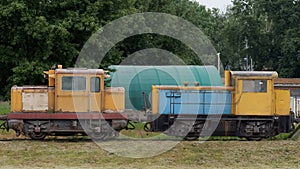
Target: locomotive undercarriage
x=97 y=129
x=191 y=127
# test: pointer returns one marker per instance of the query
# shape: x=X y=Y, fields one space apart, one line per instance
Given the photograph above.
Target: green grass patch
x=4 y=108
x=224 y=138
x=23 y=153
x=283 y=136
x=138 y=131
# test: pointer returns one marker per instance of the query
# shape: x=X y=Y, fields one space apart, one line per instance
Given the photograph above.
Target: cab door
x=71 y=93
x=95 y=93
x=254 y=97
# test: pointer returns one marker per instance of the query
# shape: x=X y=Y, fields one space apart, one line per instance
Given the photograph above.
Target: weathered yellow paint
x=58 y=100
x=71 y=101
x=29 y=99
x=51 y=77
x=102 y=94
x=81 y=101
x=95 y=98
x=254 y=103
x=155 y=100
x=114 y=99
x=51 y=99
x=227 y=78
x=282 y=104
x=16 y=99
x=95 y=102
x=233 y=105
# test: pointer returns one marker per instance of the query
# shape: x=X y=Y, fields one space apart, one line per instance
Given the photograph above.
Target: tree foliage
x=37 y=34
x=266 y=31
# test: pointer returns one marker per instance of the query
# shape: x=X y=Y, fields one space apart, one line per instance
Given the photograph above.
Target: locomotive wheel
x=191 y=138
x=254 y=138
x=37 y=136
x=99 y=136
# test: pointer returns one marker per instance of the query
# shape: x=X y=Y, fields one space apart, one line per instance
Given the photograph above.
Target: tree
x=266 y=31
x=191 y=11
x=37 y=34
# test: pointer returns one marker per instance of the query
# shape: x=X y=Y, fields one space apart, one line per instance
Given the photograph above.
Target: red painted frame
x=67 y=116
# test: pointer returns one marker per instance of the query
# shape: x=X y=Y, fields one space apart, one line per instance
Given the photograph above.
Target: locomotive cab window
x=95 y=84
x=255 y=86
x=73 y=83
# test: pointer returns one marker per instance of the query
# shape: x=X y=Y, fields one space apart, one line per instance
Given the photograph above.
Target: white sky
x=221 y=4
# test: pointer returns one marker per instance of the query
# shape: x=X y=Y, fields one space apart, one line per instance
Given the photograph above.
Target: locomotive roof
x=80 y=71
x=266 y=74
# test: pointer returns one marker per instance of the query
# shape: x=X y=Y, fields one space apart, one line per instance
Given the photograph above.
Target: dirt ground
x=67 y=152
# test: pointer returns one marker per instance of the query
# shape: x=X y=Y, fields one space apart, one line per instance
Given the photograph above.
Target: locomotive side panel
x=114 y=100
x=282 y=104
x=51 y=99
x=29 y=99
x=191 y=100
x=16 y=99
x=254 y=97
x=35 y=101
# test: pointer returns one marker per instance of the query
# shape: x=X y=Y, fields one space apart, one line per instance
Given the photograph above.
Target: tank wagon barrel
x=137 y=80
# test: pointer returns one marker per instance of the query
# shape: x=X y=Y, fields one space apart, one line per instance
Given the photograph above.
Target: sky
x=221 y=4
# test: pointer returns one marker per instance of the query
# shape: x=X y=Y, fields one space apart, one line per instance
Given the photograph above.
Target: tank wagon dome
x=139 y=79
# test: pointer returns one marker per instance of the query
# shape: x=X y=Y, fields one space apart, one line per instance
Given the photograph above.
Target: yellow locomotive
x=72 y=98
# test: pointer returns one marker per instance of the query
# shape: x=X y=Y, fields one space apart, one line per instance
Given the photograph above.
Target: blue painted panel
x=194 y=102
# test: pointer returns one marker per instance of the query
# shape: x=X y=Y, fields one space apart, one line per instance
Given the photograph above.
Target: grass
x=66 y=153
x=4 y=108
x=138 y=132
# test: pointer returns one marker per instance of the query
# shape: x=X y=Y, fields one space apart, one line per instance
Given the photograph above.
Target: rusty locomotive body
x=74 y=102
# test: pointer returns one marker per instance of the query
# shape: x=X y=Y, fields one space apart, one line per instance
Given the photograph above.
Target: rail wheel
x=37 y=136
x=99 y=136
x=254 y=138
x=191 y=138
x=102 y=136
